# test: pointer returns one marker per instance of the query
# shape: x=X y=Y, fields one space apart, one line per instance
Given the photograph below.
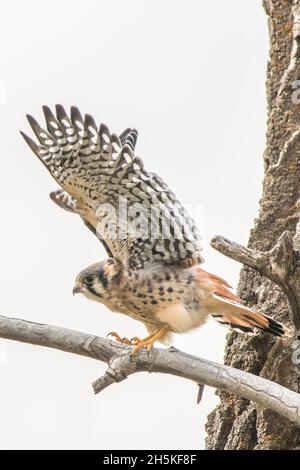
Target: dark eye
x=89 y=279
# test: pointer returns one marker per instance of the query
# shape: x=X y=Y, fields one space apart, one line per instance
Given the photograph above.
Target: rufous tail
x=241 y=318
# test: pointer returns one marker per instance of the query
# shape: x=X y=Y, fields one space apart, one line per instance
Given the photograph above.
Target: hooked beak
x=77 y=288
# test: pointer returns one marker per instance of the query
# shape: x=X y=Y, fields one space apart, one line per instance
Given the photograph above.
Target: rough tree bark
x=238 y=423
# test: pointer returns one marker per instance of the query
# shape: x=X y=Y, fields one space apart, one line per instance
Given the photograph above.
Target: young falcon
x=153 y=272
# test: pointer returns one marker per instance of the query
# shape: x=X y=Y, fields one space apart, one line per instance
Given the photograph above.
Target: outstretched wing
x=129 y=137
x=64 y=200
x=132 y=210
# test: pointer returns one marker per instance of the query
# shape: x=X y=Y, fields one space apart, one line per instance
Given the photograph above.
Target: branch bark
x=281 y=265
x=236 y=423
x=171 y=361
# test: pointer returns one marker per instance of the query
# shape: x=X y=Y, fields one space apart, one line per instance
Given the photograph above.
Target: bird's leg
x=149 y=340
x=118 y=338
x=136 y=340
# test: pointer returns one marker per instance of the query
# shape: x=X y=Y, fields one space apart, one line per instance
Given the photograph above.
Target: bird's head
x=98 y=280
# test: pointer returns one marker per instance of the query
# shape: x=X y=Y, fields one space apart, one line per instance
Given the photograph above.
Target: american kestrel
x=153 y=272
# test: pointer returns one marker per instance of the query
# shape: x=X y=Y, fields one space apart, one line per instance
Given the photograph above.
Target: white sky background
x=190 y=76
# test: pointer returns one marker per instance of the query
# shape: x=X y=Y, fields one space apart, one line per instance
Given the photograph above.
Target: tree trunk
x=237 y=423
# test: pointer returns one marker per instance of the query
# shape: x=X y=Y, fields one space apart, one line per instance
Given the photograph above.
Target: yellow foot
x=140 y=344
x=136 y=340
x=148 y=341
x=118 y=338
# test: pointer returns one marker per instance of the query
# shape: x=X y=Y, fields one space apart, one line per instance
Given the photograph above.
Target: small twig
x=174 y=362
x=200 y=393
x=280 y=265
x=118 y=369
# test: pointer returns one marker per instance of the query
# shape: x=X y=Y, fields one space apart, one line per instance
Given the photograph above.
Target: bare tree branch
x=171 y=361
x=280 y=264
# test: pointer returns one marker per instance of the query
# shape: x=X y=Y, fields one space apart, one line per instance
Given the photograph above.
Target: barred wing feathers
x=96 y=170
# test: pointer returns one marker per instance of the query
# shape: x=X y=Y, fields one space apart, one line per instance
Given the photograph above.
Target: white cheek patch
x=89 y=295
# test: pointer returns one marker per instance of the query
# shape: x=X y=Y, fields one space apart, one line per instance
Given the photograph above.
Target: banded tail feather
x=226 y=308
x=241 y=318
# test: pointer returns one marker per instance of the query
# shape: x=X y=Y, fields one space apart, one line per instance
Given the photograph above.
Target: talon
x=140 y=344
x=135 y=340
x=149 y=347
x=118 y=337
x=125 y=341
x=114 y=335
x=137 y=347
x=148 y=341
